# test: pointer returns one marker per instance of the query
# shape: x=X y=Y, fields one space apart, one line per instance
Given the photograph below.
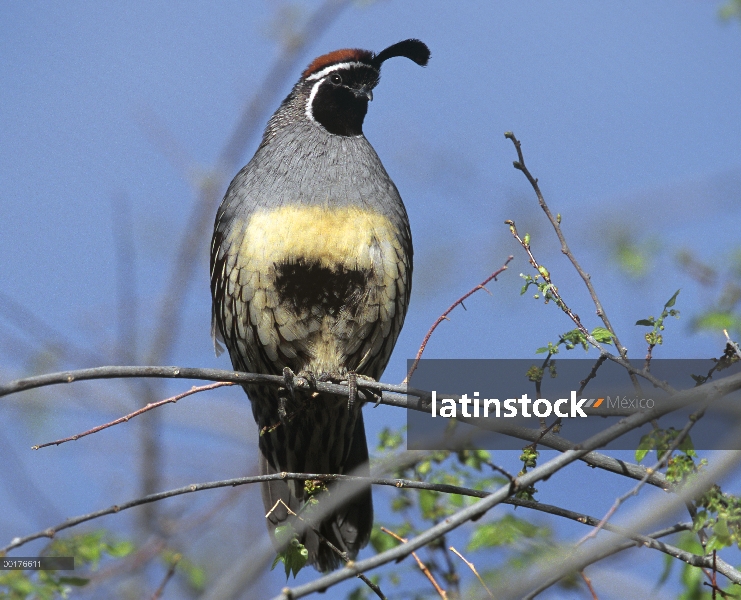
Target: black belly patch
x=305 y=285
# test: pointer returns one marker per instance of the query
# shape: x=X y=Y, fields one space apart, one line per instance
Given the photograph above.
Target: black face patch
x=339 y=104
x=306 y=285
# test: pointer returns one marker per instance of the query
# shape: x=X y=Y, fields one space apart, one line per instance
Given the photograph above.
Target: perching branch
x=393 y=395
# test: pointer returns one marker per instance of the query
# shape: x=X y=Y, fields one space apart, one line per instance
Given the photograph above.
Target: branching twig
x=552 y=290
x=473 y=569
x=592 y=374
x=519 y=164
x=440 y=591
x=136 y=413
x=444 y=316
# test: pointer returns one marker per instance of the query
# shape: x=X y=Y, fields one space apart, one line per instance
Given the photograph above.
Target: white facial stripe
x=311 y=100
x=327 y=70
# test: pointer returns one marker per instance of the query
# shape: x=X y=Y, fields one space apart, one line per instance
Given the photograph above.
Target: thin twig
x=136 y=413
x=556 y=223
x=552 y=290
x=520 y=166
x=589 y=584
x=473 y=568
x=441 y=592
x=592 y=374
x=444 y=316
x=170 y=572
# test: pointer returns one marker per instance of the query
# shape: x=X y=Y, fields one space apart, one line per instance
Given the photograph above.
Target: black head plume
x=411 y=49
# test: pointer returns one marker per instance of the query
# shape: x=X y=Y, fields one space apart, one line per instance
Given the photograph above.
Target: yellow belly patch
x=331 y=237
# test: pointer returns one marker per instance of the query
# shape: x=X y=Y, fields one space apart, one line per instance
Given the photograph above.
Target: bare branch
x=444 y=316
x=136 y=413
x=422 y=567
x=588 y=582
x=471 y=566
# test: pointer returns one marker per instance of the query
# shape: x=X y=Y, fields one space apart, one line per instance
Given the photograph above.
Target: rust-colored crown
x=338 y=56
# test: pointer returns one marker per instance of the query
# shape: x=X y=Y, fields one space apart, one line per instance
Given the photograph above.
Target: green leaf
x=717 y=320
x=542 y=350
x=294 y=556
x=602 y=335
x=672 y=300
x=503 y=532
x=644 y=447
x=120 y=549
x=646 y=322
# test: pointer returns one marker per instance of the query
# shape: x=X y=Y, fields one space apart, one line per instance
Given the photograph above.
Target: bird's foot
x=309 y=376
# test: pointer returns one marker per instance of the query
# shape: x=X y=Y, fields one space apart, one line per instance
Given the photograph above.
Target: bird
x=311 y=273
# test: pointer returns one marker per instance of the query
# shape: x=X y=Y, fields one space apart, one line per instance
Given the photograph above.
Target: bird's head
x=338 y=86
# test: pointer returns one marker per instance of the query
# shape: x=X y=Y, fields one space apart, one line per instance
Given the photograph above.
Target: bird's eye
x=335 y=78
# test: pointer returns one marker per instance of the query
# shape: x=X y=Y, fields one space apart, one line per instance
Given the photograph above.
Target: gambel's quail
x=311 y=270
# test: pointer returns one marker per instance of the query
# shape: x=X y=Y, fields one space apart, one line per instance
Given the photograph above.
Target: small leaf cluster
x=661 y=440
x=294 y=554
x=654 y=337
x=529 y=458
x=721 y=513
x=576 y=337
x=545 y=288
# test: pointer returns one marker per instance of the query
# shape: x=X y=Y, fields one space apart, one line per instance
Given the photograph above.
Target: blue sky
x=628 y=112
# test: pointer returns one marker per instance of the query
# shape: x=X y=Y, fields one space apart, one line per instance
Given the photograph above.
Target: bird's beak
x=364 y=92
